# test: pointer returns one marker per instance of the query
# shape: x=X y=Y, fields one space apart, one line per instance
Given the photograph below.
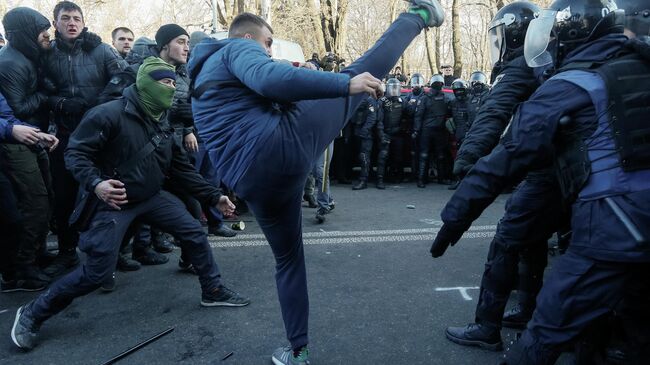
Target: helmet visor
x=497 y=43
x=417 y=81
x=538 y=38
x=393 y=89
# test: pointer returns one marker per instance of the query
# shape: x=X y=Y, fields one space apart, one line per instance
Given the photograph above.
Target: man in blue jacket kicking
x=265 y=123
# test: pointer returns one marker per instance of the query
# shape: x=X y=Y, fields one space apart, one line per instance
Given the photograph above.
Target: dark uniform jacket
x=81 y=70
x=514 y=84
x=432 y=111
x=112 y=133
x=365 y=118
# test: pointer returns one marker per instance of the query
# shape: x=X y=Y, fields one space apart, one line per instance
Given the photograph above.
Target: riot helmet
x=437 y=82
x=507 y=30
x=568 y=24
x=459 y=87
x=637 y=16
x=417 y=81
x=393 y=87
x=478 y=80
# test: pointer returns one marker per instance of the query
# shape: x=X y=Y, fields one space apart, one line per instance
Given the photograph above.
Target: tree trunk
x=436 y=49
x=340 y=35
x=456 y=38
x=430 y=51
x=316 y=22
x=265 y=10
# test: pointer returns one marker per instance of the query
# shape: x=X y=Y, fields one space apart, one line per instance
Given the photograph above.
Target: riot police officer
x=459 y=123
x=459 y=108
x=409 y=144
x=532 y=213
x=430 y=131
x=388 y=126
x=365 y=121
x=584 y=118
x=479 y=91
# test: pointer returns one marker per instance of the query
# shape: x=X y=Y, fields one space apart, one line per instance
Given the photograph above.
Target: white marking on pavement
x=462 y=289
x=354 y=237
x=4 y=311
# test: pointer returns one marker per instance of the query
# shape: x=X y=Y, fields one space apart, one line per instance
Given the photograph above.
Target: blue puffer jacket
x=246 y=95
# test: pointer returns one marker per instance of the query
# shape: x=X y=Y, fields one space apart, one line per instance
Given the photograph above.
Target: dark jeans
x=10 y=222
x=101 y=243
x=65 y=196
x=578 y=292
x=28 y=170
x=532 y=215
x=273 y=187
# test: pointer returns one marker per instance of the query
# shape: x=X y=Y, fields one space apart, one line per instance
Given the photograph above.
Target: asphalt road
x=377 y=296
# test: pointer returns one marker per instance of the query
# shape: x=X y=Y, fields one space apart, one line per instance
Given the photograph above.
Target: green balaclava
x=155 y=97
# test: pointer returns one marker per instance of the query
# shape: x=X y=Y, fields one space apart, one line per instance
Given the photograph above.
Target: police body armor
x=392 y=108
x=460 y=113
x=408 y=112
x=436 y=109
x=361 y=113
x=475 y=101
x=613 y=156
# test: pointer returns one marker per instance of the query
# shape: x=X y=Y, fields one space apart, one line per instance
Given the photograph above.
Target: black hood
x=22 y=27
x=87 y=41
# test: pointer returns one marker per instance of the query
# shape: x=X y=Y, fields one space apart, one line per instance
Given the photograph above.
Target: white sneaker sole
x=13 y=328
x=222 y=304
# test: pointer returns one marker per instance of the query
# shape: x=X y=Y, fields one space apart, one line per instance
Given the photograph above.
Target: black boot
x=161 y=243
x=380 y=183
x=454 y=186
x=362 y=184
x=311 y=201
x=517 y=317
x=63 y=262
x=475 y=334
x=421 y=183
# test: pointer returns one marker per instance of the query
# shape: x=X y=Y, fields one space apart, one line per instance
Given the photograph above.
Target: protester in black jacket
x=19 y=65
x=26 y=163
x=80 y=66
x=99 y=156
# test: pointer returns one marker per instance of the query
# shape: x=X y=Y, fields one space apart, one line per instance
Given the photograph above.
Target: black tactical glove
x=181 y=112
x=74 y=105
x=462 y=167
x=445 y=237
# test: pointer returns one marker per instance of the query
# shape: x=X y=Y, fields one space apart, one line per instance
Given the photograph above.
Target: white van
x=282 y=50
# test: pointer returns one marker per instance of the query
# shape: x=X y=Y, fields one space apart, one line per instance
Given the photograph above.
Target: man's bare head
x=251 y=26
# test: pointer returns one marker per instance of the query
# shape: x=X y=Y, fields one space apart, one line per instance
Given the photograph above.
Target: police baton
x=138 y=347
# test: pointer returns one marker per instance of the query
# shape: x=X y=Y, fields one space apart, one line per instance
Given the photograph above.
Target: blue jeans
x=101 y=243
x=274 y=183
x=323 y=197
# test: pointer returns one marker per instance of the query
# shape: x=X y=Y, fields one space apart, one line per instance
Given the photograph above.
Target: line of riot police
x=403 y=126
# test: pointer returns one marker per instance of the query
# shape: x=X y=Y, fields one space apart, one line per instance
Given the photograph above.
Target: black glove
x=73 y=105
x=462 y=167
x=181 y=112
x=446 y=236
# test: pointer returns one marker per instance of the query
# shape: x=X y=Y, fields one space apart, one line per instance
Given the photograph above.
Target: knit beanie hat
x=167 y=32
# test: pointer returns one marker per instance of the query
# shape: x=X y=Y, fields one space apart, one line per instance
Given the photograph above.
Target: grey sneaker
x=435 y=10
x=24 y=333
x=223 y=297
x=285 y=356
